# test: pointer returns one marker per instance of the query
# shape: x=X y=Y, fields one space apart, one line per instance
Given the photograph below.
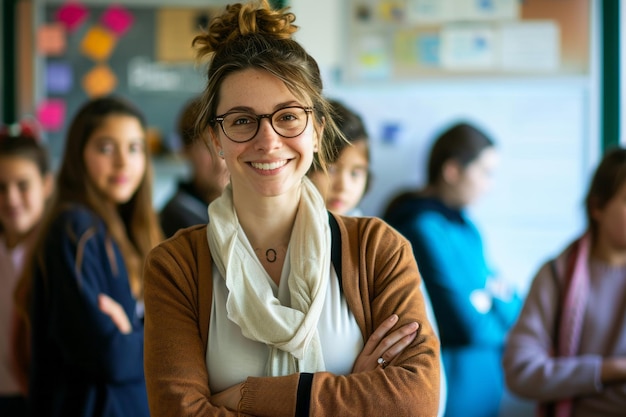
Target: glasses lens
x=240 y=127
x=290 y=121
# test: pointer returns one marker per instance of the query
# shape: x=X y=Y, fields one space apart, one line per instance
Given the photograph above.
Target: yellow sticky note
x=100 y=81
x=98 y=43
x=51 y=39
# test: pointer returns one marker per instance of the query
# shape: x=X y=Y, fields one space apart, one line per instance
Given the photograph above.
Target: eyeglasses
x=288 y=122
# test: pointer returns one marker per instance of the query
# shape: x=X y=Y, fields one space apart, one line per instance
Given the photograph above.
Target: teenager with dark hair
x=86 y=272
x=567 y=350
x=25 y=186
x=207 y=179
x=474 y=307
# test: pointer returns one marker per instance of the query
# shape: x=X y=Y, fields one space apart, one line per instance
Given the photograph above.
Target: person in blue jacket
x=86 y=270
x=474 y=307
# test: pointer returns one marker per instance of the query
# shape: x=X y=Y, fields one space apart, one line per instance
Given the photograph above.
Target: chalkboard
x=158 y=89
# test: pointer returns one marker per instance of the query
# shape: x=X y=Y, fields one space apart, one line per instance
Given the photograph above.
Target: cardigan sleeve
x=177 y=379
x=531 y=369
x=78 y=268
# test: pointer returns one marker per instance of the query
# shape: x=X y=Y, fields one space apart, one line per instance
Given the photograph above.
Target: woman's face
x=23 y=194
x=115 y=158
x=477 y=178
x=611 y=220
x=344 y=186
x=267 y=165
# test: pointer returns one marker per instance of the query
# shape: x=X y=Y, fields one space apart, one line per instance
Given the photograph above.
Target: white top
x=11 y=263
x=231 y=358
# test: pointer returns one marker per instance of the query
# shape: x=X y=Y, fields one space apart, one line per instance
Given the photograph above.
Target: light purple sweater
x=531 y=372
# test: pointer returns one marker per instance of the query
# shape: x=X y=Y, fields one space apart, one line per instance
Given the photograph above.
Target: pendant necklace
x=270 y=255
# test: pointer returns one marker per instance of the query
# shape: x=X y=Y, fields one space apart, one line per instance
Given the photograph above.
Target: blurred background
x=542 y=77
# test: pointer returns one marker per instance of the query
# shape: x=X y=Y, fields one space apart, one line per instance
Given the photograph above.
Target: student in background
x=253 y=314
x=567 y=350
x=473 y=307
x=347 y=181
x=87 y=332
x=188 y=206
x=348 y=176
x=25 y=185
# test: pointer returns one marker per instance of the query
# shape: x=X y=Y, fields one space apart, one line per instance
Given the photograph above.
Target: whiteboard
x=541 y=131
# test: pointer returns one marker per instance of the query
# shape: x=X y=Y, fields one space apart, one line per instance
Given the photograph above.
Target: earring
x=221 y=153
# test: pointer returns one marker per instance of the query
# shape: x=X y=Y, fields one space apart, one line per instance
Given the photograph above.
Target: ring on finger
x=382 y=362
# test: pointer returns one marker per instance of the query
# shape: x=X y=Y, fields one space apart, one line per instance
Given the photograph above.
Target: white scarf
x=289 y=331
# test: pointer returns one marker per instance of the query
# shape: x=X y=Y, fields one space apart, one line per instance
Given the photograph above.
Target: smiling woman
x=246 y=315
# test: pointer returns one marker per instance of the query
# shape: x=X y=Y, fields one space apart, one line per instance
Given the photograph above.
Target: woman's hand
x=385 y=346
x=228 y=398
x=114 y=310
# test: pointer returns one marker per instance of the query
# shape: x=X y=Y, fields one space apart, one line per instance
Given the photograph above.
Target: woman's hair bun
x=245 y=19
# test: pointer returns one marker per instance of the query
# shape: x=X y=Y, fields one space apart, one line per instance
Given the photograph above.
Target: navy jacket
x=185 y=208
x=82 y=365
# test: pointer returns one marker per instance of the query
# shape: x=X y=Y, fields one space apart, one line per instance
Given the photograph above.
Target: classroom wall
x=544 y=127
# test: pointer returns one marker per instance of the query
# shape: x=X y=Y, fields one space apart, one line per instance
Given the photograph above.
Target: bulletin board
x=134 y=52
x=389 y=40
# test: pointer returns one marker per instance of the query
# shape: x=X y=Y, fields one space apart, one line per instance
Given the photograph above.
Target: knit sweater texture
x=379 y=278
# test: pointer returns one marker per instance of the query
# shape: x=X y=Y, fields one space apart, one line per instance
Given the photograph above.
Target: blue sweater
x=449 y=252
x=82 y=365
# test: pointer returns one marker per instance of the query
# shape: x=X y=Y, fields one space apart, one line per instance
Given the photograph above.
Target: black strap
x=303 y=401
x=335 y=247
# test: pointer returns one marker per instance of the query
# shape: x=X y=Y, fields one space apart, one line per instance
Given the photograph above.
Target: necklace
x=270 y=255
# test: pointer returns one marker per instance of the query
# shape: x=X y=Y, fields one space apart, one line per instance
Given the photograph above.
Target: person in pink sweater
x=26 y=184
x=277 y=307
x=567 y=350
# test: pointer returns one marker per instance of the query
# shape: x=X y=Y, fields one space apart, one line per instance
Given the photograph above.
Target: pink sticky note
x=72 y=14
x=117 y=19
x=51 y=114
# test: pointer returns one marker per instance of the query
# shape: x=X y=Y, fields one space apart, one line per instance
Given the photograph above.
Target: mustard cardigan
x=379 y=277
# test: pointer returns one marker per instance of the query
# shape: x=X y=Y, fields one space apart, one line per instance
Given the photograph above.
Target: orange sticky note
x=51 y=39
x=100 y=81
x=98 y=43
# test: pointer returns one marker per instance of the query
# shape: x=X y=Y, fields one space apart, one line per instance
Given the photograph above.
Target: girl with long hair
x=86 y=273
